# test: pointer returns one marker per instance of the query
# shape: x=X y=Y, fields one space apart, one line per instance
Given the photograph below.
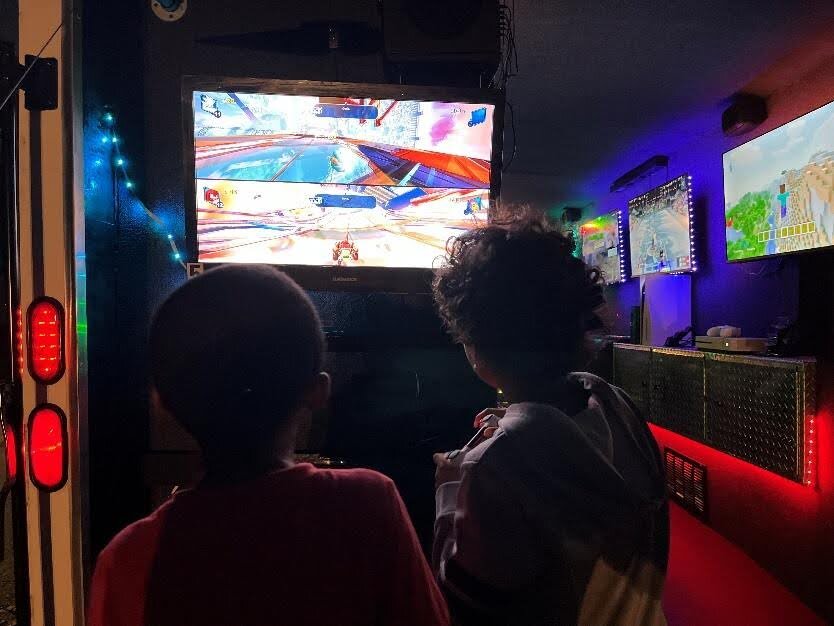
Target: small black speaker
x=424 y=31
x=745 y=113
x=571 y=214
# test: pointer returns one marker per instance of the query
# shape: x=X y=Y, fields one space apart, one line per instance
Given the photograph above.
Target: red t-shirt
x=301 y=547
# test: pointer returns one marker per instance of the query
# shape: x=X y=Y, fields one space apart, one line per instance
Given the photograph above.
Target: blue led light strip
x=120 y=163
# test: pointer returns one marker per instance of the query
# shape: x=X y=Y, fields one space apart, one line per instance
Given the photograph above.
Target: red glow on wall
x=46 y=340
x=752 y=477
x=11 y=456
x=782 y=524
x=48 y=447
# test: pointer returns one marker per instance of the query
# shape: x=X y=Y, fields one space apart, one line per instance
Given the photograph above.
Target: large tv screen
x=324 y=175
x=601 y=246
x=779 y=189
x=660 y=229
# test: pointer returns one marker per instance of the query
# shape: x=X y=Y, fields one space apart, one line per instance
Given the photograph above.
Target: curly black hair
x=514 y=291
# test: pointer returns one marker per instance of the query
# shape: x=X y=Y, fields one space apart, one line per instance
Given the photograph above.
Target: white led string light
x=692 y=260
x=621 y=246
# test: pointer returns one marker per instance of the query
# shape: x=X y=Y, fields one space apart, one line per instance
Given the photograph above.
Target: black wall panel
x=402 y=390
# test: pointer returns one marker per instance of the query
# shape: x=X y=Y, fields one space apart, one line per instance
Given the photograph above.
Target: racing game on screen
x=601 y=245
x=306 y=180
x=659 y=228
x=779 y=189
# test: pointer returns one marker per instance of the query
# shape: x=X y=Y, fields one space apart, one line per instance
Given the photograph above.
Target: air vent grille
x=686 y=481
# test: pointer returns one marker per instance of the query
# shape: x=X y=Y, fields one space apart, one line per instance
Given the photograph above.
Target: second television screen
x=314 y=180
x=659 y=229
x=601 y=246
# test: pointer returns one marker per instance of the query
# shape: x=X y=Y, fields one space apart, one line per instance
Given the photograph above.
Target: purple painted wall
x=750 y=295
x=783 y=526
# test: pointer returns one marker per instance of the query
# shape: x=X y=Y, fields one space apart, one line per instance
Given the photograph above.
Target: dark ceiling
x=594 y=75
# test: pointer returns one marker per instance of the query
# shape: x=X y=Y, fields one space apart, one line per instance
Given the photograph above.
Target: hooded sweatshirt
x=557 y=519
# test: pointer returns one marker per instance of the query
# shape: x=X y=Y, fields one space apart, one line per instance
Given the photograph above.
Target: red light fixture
x=11 y=456
x=46 y=340
x=48 y=447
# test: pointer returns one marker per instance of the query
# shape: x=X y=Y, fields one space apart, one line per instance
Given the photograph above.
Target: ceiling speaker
x=456 y=31
x=745 y=113
x=571 y=214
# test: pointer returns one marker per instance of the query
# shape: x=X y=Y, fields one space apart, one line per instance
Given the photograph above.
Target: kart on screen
x=345 y=250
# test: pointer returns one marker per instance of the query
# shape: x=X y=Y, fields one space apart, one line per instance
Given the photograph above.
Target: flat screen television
x=601 y=243
x=660 y=229
x=341 y=185
x=779 y=189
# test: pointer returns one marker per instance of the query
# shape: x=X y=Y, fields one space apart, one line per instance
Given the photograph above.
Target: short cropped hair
x=232 y=352
x=515 y=292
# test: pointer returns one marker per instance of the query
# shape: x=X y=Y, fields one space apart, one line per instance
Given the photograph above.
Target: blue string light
x=108 y=121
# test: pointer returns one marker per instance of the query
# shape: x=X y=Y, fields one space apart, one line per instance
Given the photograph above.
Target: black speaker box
x=571 y=214
x=745 y=113
x=448 y=31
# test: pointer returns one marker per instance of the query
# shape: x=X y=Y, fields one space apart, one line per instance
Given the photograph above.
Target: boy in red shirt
x=236 y=358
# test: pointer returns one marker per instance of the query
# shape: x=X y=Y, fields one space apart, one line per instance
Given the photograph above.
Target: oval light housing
x=48 y=447
x=45 y=322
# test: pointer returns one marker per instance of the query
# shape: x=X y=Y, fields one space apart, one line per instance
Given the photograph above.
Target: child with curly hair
x=560 y=516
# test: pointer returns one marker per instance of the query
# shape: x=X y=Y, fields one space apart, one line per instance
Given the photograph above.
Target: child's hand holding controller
x=448 y=464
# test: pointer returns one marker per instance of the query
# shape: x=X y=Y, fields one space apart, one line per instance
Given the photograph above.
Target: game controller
x=488 y=422
x=724 y=331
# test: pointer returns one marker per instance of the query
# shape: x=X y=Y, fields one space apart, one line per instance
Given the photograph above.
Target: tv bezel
x=327 y=277
x=618 y=218
x=764 y=257
x=693 y=264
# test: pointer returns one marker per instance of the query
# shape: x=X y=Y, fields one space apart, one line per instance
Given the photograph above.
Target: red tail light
x=11 y=456
x=46 y=340
x=48 y=447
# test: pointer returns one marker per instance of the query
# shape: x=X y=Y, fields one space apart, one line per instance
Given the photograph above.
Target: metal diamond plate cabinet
x=677 y=391
x=632 y=372
x=758 y=409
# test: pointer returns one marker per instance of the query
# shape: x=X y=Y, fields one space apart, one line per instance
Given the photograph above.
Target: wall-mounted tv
x=342 y=185
x=601 y=242
x=779 y=189
x=660 y=229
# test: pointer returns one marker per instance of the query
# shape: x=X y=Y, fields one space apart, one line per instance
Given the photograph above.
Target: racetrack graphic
x=310 y=159
x=322 y=224
x=347 y=181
